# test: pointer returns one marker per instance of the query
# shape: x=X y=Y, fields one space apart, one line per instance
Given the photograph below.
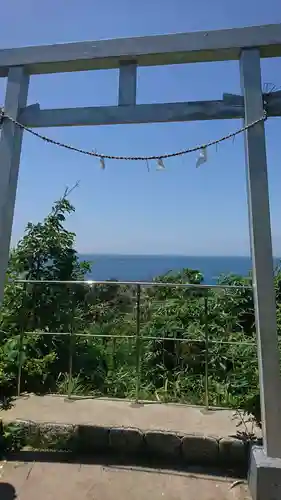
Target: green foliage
x=99 y=358
x=12 y=438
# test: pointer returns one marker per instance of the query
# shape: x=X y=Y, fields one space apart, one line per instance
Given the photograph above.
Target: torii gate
x=244 y=44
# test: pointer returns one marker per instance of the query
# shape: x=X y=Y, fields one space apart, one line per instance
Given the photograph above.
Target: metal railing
x=138 y=337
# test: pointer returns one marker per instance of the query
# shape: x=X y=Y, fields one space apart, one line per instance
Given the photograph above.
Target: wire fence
x=140 y=354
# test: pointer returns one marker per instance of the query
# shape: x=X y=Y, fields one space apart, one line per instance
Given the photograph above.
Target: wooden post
x=261 y=252
x=10 y=150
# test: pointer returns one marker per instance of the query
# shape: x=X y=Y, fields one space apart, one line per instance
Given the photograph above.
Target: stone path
x=53 y=481
x=51 y=478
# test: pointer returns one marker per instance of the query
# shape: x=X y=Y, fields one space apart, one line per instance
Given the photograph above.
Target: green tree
x=46 y=252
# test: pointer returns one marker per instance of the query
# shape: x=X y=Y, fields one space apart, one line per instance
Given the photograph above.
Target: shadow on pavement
x=7 y=491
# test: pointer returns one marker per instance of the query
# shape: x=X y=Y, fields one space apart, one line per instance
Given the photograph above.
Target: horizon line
x=107 y=254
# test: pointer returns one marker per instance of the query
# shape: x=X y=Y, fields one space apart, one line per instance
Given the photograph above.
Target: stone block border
x=171 y=447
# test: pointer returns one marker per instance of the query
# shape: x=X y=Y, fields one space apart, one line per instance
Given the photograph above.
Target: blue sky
x=125 y=209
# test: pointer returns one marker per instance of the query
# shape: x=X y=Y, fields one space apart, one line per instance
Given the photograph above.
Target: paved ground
x=184 y=419
x=53 y=481
x=50 y=480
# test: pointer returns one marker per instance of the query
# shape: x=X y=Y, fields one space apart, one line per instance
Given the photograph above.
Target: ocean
x=146 y=267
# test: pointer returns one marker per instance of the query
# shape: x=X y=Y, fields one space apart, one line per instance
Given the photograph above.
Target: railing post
x=21 y=339
x=114 y=354
x=138 y=344
x=70 y=372
x=206 y=332
x=71 y=350
x=20 y=361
